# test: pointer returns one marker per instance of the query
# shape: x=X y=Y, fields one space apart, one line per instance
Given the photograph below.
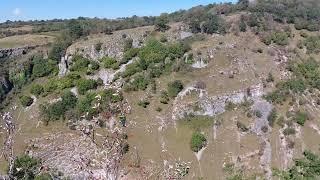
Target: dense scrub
x=306 y=75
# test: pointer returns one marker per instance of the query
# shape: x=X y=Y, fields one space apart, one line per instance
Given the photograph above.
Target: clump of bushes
x=279 y=38
x=84 y=85
x=37 y=89
x=109 y=62
x=198 y=141
x=80 y=63
x=25 y=167
x=312 y=43
x=43 y=67
x=174 y=88
x=305 y=75
x=57 y=110
x=26 y=100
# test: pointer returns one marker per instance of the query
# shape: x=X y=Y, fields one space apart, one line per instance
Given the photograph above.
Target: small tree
x=161 y=23
x=98 y=46
x=198 y=141
x=26 y=101
x=174 y=88
x=242 y=25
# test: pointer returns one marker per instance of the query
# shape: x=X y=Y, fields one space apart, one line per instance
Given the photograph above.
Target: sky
x=65 y=9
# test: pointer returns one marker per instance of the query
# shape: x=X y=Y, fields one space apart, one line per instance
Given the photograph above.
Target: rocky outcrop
x=14 y=52
x=215 y=105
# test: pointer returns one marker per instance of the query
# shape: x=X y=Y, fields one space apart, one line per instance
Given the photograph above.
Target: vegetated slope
x=225 y=91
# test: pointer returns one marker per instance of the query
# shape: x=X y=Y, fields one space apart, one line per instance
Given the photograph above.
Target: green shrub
x=289 y=131
x=37 y=89
x=198 y=141
x=153 y=52
x=131 y=69
x=111 y=95
x=79 y=64
x=25 y=167
x=158 y=109
x=129 y=54
x=128 y=44
x=174 y=88
x=279 y=38
x=163 y=38
x=164 y=98
x=270 y=78
x=143 y=103
x=94 y=66
x=109 y=62
x=43 y=67
x=84 y=85
x=98 y=46
x=161 y=23
x=26 y=101
x=312 y=44
x=272 y=117
x=43 y=176
x=85 y=104
x=57 y=110
x=300 y=117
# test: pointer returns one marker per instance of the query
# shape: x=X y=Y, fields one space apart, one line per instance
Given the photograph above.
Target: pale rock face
x=214 y=105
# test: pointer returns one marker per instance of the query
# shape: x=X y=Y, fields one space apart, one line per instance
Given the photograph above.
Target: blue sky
x=50 y=9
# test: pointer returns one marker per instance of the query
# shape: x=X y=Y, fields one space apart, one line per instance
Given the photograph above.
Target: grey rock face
x=14 y=52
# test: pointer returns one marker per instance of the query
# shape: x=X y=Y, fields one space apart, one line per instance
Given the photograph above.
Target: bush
x=129 y=54
x=111 y=95
x=258 y=113
x=85 y=104
x=98 y=46
x=198 y=141
x=143 y=103
x=214 y=24
x=25 y=167
x=57 y=110
x=174 y=88
x=43 y=67
x=109 y=62
x=84 y=85
x=272 y=117
x=164 y=98
x=161 y=23
x=289 y=131
x=242 y=25
x=300 y=118
x=270 y=78
x=26 y=101
x=37 y=89
x=79 y=64
x=128 y=44
x=280 y=38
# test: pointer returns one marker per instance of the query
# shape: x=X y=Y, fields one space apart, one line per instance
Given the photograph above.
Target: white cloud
x=16 y=12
